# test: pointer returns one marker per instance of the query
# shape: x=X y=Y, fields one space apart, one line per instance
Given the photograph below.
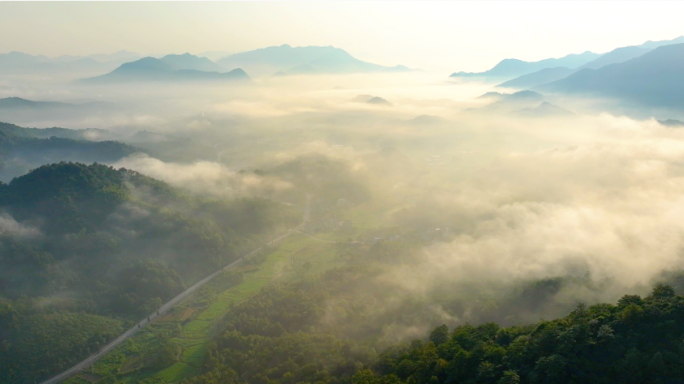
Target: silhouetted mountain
x=188 y=61
x=24 y=64
x=515 y=68
x=537 y=78
x=378 y=100
x=510 y=68
x=120 y=56
x=524 y=96
x=19 y=103
x=15 y=59
x=615 y=56
x=619 y=55
x=285 y=59
x=18 y=63
x=362 y=98
x=89 y=134
x=370 y=99
x=214 y=55
x=11 y=132
x=151 y=69
x=672 y=123
x=655 y=44
x=549 y=75
x=509 y=103
x=655 y=78
x=23 y=149
x=493 y=95
x=301 y=69
x=29 y=112
x=544 y=110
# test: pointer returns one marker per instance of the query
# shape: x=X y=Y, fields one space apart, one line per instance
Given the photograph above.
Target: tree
x=550 y=370
x=151 y=305
x=440 y=335
x=656 y=365
x=662 y=292
x=509 y=377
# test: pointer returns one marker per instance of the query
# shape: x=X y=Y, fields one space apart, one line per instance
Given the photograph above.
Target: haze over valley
x=213 y=210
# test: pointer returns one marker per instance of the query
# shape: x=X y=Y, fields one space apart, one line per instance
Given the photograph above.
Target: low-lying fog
x=592 y=196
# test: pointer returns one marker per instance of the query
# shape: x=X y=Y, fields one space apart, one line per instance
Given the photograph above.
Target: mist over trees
x=360 y=223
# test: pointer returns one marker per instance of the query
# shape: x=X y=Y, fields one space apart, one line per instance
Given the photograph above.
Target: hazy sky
x=445 y=36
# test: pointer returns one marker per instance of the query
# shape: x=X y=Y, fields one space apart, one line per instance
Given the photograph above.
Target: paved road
x=164 y=308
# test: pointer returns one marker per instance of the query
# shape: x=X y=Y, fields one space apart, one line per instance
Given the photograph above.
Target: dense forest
x=638 y=340
x=87 y=249
x=322 y=330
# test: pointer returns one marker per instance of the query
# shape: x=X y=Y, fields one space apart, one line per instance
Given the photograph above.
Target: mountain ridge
x=617 y=55
x=152 y=69
x=285 y=59
x=655 y=78
x=514 y=68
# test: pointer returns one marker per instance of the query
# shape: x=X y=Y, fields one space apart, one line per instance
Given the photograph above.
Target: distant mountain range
x=526 y=104
x=672 y=123
x=122 y=66
x=655 y=78
x=508 y=102
x=370 y=99
x=544 y=76
x=18 y=63
x=287 y=60
x=29 y=112
x=543 y=71
x=545 y=109
x=27 y=148
x=509 y=68
x=616 y=56
x=190 y=62
x=17 y=103
x=169 y=68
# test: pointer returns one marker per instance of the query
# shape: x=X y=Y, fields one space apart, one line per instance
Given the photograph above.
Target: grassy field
x=193 y=323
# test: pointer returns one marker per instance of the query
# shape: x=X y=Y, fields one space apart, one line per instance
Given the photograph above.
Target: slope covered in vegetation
x=638 y=340
x=90 y=244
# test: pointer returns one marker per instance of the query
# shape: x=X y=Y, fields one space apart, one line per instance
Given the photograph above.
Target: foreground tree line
x=284 y=336
x=638 y=340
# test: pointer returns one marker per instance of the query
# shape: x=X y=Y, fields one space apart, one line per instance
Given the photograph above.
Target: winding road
x=165 y=308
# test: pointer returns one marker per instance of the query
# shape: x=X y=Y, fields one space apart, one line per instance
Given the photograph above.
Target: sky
x=441 y=36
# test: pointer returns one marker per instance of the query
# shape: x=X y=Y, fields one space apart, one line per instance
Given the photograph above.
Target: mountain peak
x=654 y=78
x=284 y=60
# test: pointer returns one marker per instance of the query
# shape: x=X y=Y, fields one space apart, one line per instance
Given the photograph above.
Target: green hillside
x=90 y=244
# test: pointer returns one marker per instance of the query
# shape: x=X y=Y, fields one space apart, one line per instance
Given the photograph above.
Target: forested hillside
x=89 y=248
x=638 y=340
x=324 y=330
